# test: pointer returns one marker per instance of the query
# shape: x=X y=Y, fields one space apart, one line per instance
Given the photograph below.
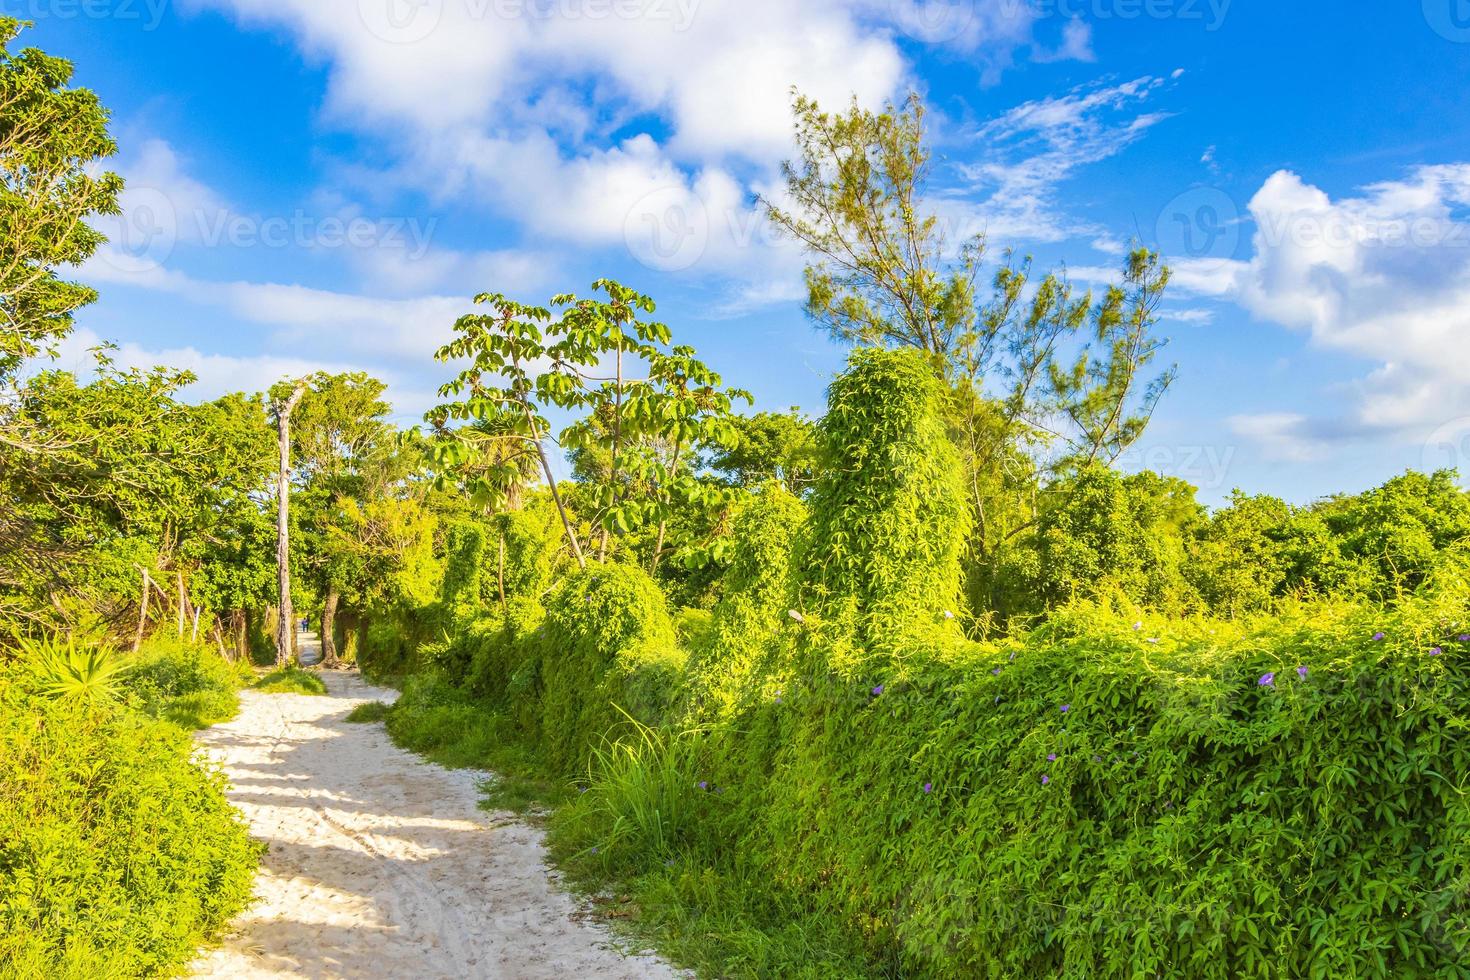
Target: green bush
x=609 y=648
x=730 y=658
x=889 y=513
x=642 y=798
x=191 y=686
x=119 y=855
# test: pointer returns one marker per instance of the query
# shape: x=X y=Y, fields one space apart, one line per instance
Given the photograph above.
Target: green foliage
x=610 y=653
x=68 y=671
x=119 y=855
x=51 y=140
x=192 y=687
x=730 y=660
x=368 y=712
x=642 y=799
x=771 y=446
x=889 y=511
x=1100 y=533
x=291 y=680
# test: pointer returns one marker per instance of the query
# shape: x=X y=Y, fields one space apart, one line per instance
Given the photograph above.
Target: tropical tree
x=51 y=138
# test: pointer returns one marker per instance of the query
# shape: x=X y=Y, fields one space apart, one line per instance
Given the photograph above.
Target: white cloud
x=1383 y=276
x=1281 y=436
x=1036 y=147
x=217 y=374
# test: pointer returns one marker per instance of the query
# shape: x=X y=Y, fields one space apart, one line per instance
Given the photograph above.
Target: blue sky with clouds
x=323 y=183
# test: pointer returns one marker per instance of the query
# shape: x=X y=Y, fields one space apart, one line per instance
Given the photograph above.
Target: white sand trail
x=382 y=865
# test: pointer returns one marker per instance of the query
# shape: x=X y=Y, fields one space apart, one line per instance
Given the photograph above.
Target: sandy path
x=382 y=865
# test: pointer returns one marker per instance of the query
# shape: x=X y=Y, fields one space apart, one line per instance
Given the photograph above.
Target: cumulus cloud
x=1384 y=276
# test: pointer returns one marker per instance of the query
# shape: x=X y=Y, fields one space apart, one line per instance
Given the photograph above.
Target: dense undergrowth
x=119 y=853
x=822 y=777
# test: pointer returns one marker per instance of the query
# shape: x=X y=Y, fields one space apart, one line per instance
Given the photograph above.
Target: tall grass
x=643 y=794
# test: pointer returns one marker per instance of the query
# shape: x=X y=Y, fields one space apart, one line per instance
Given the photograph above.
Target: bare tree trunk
x=285 y=633
x=142 y=611
x=242 y=634
x=329 y=628
x=220 y=642
x=194 y=634
x=180 y=573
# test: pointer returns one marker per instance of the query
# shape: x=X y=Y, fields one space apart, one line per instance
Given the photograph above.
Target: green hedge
x=608 y=648
x=119 y=855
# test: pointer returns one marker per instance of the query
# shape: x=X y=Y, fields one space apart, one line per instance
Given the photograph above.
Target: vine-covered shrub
x=889 y=515
x=118 y=854
x=730 y=656
x=608 y=647
x=519 y=556
x=1095 y=800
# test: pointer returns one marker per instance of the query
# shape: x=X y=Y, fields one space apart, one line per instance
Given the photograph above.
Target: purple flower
x=996 y=672
x=1045 y=780
x=1267 y=680
x=1465 y=637
x=1378 y=636
x=1301 y=672
x=1052 y=757
x=1066 y=708
x=703 y=785
x=878 y=691
x=1137 y=627
x=1435 y=652
x=928 y=788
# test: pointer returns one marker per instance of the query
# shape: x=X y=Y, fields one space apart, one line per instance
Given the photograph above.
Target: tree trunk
x=182 y=600
x=194 y=634
x=142 y=611
x=285 y=628
x=328 y=629
x=240 y=626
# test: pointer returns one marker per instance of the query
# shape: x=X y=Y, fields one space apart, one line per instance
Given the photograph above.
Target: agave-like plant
x=66 y=670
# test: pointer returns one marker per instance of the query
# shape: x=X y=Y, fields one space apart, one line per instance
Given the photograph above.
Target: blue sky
x=324 y=183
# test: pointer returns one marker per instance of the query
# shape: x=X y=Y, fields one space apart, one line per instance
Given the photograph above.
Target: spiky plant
x=67 y=670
